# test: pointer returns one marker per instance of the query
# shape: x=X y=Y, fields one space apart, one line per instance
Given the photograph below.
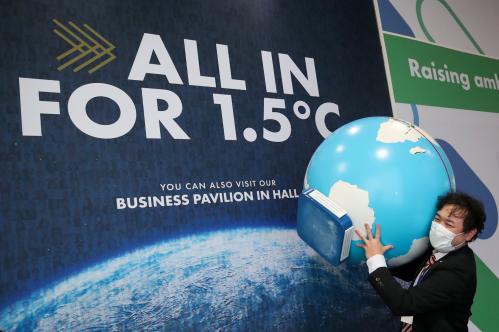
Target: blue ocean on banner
x=207 y=282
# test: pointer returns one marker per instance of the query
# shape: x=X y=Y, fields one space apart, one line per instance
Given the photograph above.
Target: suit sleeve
x=443 y=286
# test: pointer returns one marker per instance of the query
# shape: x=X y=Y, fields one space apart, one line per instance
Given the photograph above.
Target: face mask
x=441 y=238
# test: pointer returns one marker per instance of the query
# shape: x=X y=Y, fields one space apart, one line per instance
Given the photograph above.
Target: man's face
x=452 y=218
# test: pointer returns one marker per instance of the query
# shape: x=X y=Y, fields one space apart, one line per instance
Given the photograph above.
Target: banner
x=152 y=154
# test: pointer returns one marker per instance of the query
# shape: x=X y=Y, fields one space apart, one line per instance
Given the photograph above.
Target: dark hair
x=474 y=213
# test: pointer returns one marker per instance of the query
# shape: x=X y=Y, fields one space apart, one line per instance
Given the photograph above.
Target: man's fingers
x=360 y=245
x=368 y=231
x=362 y=237
x=378 y=231
x=388 y=247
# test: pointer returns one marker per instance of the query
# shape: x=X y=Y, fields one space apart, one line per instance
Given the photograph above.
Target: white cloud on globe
x=417 y=150
x=395 y=131
x=355 y=201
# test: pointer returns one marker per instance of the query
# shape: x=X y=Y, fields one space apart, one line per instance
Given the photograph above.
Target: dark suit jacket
x=442 y=299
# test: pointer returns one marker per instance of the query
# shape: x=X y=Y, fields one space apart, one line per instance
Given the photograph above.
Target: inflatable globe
x=383 y=171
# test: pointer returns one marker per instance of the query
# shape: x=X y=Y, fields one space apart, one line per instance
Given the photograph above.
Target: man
x=443 y=279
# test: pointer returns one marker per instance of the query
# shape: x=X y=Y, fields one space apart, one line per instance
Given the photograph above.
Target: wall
x=455 y=36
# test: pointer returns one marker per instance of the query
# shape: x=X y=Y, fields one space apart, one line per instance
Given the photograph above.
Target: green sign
x=428 y=74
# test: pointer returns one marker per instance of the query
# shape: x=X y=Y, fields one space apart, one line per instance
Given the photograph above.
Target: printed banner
x=151 y=157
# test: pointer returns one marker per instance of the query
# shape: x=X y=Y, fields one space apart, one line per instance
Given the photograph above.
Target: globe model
x=383 y=171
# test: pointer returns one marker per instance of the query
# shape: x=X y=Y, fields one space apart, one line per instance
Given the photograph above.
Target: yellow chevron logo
x=88 y=47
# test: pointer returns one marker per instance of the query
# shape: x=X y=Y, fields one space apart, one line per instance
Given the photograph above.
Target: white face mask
x=441 y=238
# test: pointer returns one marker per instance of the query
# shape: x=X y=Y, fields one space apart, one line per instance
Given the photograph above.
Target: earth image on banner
x=250 y=279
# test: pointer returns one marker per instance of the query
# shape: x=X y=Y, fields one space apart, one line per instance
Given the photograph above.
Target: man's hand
x=372 y=245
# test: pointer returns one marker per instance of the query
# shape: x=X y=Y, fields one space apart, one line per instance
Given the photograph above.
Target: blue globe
x=385 y=171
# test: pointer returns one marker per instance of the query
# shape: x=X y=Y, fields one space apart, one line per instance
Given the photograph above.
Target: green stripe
x=485 y=308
